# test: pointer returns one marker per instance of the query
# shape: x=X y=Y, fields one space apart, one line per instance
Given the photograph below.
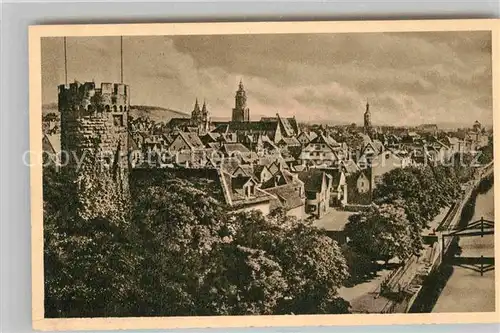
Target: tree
x=359 y=265
x=462 y=165
x=421 y=192
x=244 y=281
x=181 y=253
x=383 y=232
x=312 y=263
x=180 y=229
x=201 y=259
x=51 y=116
x=486 y=152
x=89 y=263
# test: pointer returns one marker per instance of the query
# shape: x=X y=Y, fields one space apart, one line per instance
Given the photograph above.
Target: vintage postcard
x=263 y=174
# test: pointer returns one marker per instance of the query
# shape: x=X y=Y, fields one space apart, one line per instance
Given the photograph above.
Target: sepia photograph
x=263 y=173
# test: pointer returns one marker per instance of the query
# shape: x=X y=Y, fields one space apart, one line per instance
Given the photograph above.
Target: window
x=250 y=190
x=115 y=108
x=121 y=108
x=107 y=108
x=118 y=120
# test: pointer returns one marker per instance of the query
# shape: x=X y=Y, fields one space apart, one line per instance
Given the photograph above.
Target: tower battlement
x=109 y=97
x=94 y=126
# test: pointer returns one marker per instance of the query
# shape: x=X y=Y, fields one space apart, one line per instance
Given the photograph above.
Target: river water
x=466 y=290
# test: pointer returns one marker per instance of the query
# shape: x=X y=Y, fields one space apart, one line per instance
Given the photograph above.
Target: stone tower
x=196 y=113
x=94 y=139
x=240 y=112
x=205 y=118
x=367 y=127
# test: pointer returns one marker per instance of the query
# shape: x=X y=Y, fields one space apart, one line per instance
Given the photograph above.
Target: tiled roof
x=192 y=139
x=54 y=141
x=287 y=197
x=132 y=144
x=254 y=126
x=313 y=179
x=177 y=122
x=232 y=147
x=234 y=194
x=229 y=165
x=277 y=179
x=246 y=168
x=336 y=175
x=292 y=141
x=350 y=166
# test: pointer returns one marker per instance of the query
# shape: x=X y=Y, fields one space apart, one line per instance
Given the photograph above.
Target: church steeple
x=367 y=120
x=240 y=111
x=204 y=108
x=196 y=106
x=196 y=113
x=205 y=118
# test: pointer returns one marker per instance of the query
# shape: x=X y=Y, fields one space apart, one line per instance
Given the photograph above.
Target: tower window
x=107 y=108
x=115 y=108
x=118 y=120
x=121 y=108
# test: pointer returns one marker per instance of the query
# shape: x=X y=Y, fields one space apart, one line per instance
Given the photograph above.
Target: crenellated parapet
x=87 y=99
x=94 y=122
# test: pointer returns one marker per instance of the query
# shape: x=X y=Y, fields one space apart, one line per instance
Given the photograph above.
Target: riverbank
x=447 y=288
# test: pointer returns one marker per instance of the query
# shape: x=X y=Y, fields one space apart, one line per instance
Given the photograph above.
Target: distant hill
x=154 y=113
x=49 y=108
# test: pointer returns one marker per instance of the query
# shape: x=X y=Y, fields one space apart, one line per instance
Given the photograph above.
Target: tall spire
x=241 y=85
x=204 y=108
x=196 y=108
x=367 y=126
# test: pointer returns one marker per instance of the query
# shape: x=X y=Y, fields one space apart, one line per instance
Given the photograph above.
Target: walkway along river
x=462 y=288
x=466 y=290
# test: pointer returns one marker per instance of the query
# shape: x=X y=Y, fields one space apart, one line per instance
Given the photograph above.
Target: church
x=199 y=122
x=271 y=128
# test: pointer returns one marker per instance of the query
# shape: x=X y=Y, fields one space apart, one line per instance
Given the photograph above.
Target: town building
x=317 y=187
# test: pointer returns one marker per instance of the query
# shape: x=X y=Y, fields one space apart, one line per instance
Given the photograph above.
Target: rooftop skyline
x=408 y=78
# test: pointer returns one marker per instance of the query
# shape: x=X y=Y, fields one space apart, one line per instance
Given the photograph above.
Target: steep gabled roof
x=192 y=139
x=336 y=175
x=278 y=179
x=179 y=122
x=253 y=126
x=287 y=197
x=230 y=165
x=350 y=166
x=132 y=144
x=292 y=141
x=247 y=169
x=313 y=179
x=52 y=142
x=233 y=147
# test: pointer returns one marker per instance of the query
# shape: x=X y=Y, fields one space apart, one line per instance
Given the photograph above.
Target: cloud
x=408 y=78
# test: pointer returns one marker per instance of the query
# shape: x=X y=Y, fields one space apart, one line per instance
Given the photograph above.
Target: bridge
x=408 y=278
x=478 y=228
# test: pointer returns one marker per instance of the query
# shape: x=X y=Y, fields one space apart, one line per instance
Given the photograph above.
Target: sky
x=408 y=78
